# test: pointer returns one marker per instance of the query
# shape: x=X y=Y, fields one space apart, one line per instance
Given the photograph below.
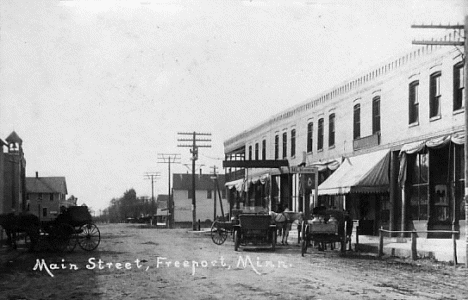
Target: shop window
x=441 y=203
x=434 y=95
x=385 y=209
x=293 y=142
x=276 y=146
x=458 y=86
x=264 y=149
x=413 y=102
x=376 y=115
x=310 y=130
x=331 y=130
x=357 y=121
x=419 y=186
x=320 y=135
x=285 y=145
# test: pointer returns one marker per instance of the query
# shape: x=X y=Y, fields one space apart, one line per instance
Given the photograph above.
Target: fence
x=414 y=251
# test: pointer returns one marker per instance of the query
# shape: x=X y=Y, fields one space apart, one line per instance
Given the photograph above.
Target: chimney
x=37 y=174
x=200 y=171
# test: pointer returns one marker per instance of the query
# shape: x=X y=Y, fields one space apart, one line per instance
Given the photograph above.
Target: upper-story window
x=293 y=142
x=376 y=115
x=250 y=152
x=264 y=149
x=310 y=130
x=413 y=102
x=357 y=121
x=434 y=95
x=285 y=144
x=276 y=146
x=320 y=134
x=256 y=151
x=331 y=130
x=51 y=197
x=458 y=85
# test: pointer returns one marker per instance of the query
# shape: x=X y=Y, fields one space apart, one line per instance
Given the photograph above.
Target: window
x=208 y=194
x=458 y=85
x=44 y=211
x=419 y=185
x=376 y=115
x=51 y=197
x=250 y=152
x=293 y=142
x=264 y=149
x=320 y=135
x=331 y=130
x=223 y=193
x=434 y=95
x=285 y=145
x=413 y=102
x=357 y=121
x=256 y=151
x=276 y=146
x=310 y=130
x=189 y=194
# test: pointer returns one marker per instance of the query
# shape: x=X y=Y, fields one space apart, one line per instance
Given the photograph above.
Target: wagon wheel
x=62 y=238
x=218 y=234
x=236 y=240
x=89 y=237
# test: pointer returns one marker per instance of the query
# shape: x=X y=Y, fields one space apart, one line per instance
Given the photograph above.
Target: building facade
x=46 y=196
x=205 y=195
x=12 y=173
x=388 y=145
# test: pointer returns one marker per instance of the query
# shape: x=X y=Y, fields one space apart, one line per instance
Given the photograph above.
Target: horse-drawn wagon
x=72 y=227
x=327 y=227
x=254 y=229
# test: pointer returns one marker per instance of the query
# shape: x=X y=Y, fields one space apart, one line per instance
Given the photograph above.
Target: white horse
x=284 y=221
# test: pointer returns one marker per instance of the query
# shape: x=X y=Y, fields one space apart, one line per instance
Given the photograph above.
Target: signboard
x=303 y=170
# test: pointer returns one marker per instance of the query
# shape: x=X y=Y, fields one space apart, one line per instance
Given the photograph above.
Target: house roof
x=202 y=182
x=162 y=198
x=46 y=185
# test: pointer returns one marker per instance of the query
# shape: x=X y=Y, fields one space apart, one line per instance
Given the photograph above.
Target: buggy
x=254 y=229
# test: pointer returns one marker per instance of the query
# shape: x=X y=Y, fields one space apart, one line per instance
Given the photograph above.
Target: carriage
x=72 y=227
x=327 y=227
x=220 y=229
x=254 y=229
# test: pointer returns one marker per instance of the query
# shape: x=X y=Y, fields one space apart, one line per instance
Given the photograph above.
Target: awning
x=236 y=184
x=366 y=173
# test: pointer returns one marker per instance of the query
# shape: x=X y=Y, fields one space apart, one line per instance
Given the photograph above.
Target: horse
x=283 y=222
x=23 y=223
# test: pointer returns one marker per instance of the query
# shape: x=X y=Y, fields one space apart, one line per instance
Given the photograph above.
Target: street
x=137 y=262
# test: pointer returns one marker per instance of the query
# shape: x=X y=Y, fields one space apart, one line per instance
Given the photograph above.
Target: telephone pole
x=194 y=157
x=154 y=208
x=215 y=184
x=459 y=42
x=168 y=158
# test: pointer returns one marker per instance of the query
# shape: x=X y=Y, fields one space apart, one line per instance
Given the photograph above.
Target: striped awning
x=366 y=173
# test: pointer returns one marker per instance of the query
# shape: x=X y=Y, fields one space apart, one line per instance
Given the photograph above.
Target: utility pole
x=153 y=176
x=194 y=157
x=168 y=158
x=459 y=42
x=215 y=183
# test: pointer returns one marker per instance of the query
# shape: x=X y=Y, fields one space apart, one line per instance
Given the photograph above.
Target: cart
x=72 y=227
x=254 y=229
x=220 y=230
x=329 y=228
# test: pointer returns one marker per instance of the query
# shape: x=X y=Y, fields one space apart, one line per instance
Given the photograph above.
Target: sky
x=98 y=88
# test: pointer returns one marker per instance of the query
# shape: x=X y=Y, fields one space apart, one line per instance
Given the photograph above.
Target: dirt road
x=146 y=263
